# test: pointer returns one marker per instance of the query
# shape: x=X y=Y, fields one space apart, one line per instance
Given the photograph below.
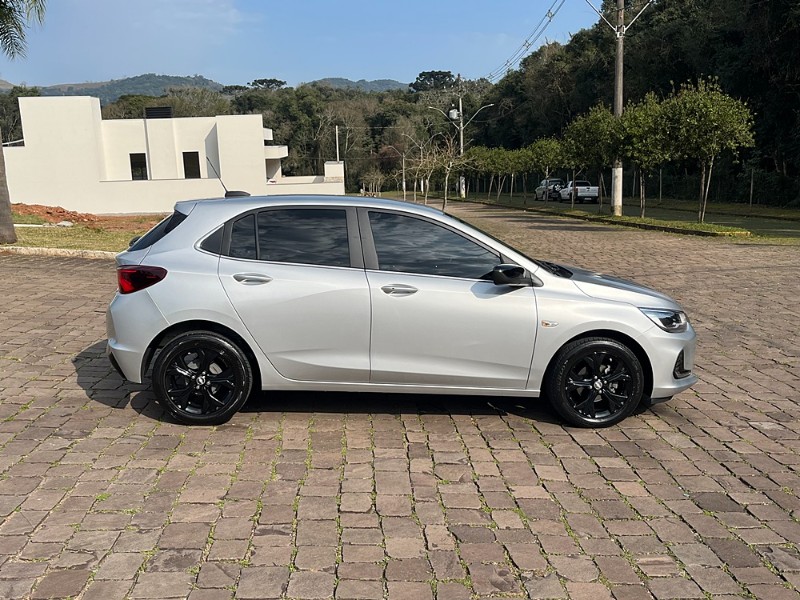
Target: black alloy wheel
x=202 y=378
x=595 y=382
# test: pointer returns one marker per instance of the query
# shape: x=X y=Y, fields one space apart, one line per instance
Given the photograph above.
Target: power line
x=526 y=45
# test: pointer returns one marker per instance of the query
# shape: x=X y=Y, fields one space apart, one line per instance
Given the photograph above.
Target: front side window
x=411 y=245
x=311 y=236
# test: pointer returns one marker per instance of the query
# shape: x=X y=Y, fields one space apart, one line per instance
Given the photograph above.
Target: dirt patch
x=56 y=214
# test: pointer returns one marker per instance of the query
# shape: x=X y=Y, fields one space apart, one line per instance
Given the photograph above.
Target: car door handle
x=399 y=289
x=252 y=278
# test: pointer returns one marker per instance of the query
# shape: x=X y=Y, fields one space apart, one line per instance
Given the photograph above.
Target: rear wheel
x=595 y=382
x=202 y=378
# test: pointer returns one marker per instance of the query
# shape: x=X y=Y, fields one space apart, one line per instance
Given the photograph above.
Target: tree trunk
x=511 y=199
x=600 y=191
x=701 y=210
x=705 y=192
x=572 y=191
x=491 y=182
x=7 y=233
x=641 y=193
x=525 y=190
x=500 y=183
x=446 y=180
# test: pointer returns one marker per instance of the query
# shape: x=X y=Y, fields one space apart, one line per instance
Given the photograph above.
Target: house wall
x=74 y=159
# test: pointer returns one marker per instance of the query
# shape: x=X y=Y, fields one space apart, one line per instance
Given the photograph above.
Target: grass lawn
x=77 y=237
x=767 y=224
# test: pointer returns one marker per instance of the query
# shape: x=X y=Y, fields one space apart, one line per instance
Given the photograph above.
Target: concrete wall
x=74 y=159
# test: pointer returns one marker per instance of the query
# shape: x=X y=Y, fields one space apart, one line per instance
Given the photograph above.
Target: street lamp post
x=457 y=114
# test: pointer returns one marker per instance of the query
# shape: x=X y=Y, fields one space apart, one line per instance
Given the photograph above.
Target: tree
x=432 y=80
x=645 y=140
x=267 y=84
x=546 y=154
x=599 y=134
x=15 y=18
x=10 y=123
x=703 y=122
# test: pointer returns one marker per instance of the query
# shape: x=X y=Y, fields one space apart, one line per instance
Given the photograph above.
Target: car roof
x=243 y=204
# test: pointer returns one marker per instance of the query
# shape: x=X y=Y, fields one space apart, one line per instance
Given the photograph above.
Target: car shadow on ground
x=103 y=385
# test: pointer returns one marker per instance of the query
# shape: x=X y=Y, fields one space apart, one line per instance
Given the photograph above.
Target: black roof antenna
x=228 y=193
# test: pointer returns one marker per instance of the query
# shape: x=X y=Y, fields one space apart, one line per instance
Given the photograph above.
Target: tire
x=202 y=378
x=595 y=382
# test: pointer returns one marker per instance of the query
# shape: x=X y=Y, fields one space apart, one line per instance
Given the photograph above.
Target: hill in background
x=377 y=85
x=151 y=84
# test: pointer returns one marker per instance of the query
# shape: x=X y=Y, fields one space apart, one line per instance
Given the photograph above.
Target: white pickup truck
x=584 y=192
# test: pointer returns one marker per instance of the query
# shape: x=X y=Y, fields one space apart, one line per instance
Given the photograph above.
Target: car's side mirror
x=510 y=275
x=134 y=240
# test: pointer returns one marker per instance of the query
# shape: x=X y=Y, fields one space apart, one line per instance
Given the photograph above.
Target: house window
x=191 y=165
x=138 y=167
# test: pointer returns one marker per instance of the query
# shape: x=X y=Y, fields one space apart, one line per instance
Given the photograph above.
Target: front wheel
x=202 y=378
x=595 y=382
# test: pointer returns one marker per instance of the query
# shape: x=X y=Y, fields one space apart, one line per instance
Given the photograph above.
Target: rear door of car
x=295 y=277
x=436 y=319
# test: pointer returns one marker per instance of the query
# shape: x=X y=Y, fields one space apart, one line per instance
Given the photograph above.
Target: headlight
x=673 y=321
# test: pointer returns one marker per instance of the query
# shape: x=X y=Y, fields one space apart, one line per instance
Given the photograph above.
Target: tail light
x=132 y=279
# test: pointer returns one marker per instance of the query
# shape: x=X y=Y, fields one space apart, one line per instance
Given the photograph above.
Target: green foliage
x=702 y=122
x=432 y=80
x=10 y=123
x=545 y=154
x=15 y=18
x=645 y=137
x=267 y=84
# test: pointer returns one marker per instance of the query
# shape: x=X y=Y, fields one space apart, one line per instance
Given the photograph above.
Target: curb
x=26 y=251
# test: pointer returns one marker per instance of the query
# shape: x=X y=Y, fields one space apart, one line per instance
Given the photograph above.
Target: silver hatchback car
x=350 y=294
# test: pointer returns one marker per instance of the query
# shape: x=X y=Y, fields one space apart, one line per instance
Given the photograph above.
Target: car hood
x=611 y=288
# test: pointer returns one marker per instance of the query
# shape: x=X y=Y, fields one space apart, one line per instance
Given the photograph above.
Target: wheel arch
x=632 y=344
x=201 y=325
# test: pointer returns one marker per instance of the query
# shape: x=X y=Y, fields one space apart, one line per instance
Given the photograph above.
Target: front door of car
x=436 y=319
x=295 y=277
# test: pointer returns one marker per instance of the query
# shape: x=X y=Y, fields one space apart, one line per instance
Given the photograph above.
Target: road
x=369 y=496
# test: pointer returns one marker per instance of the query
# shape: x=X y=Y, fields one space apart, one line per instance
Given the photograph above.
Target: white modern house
x=71 y=157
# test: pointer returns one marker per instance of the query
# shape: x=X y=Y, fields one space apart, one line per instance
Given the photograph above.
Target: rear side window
x=309 y=236
x=159 y=231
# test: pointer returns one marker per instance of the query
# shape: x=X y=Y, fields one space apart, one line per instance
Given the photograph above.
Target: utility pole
x=619 y=67
x=619 y=30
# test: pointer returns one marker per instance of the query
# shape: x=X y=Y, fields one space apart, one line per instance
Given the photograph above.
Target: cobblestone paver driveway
x=409 y=497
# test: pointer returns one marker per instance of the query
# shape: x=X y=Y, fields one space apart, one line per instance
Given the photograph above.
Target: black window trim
x=353 y=236
x=371 y=254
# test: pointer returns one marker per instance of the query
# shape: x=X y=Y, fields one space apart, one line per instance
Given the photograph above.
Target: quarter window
x=411 y=245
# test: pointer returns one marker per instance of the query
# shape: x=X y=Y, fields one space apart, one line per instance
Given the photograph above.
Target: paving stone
x=262 y=583
x=402 y=590
x=493 y=579
x=545 y=588
x=354 y=589
x=61 y=584
x=311 y=586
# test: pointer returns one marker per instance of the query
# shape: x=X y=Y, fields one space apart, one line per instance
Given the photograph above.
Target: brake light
x=132 y=279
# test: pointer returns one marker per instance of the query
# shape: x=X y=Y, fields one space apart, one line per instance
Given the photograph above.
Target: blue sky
x=236 y=41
